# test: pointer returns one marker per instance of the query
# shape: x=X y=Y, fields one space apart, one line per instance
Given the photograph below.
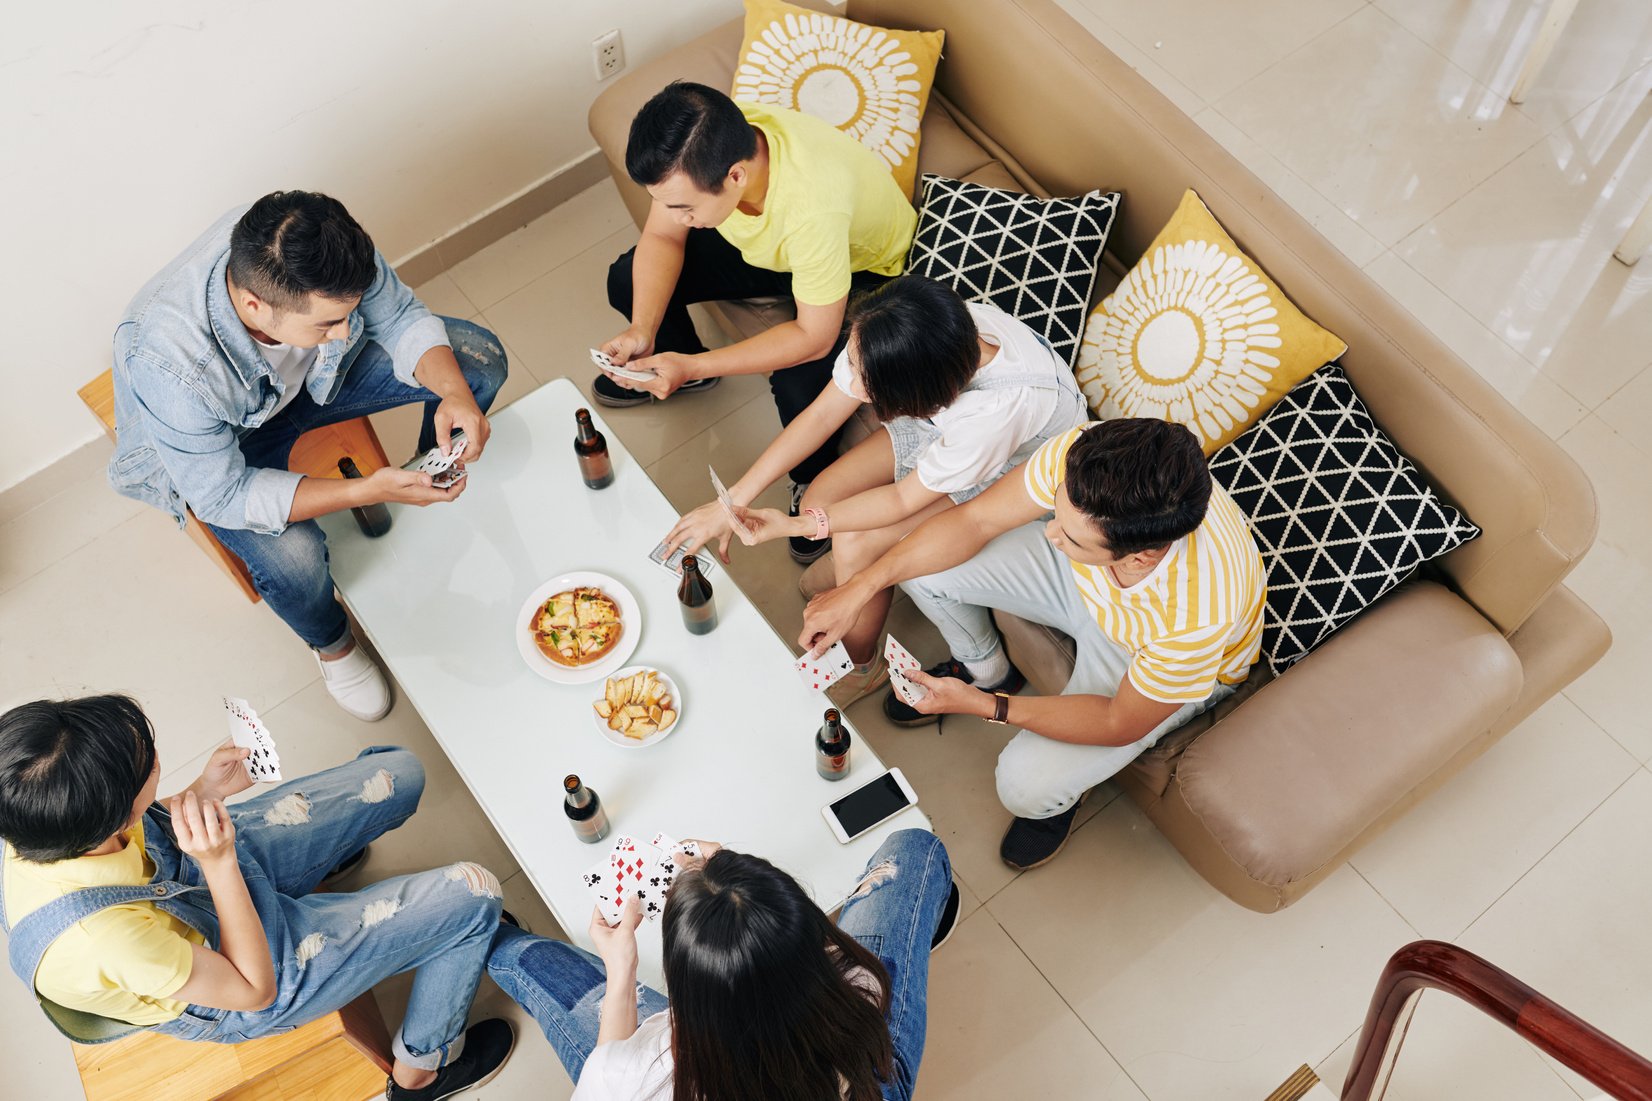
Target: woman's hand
x=698 y=528
x=204 y=829
x=225 y=773
x=616 y=945
x=708 y=849
x=770 y=523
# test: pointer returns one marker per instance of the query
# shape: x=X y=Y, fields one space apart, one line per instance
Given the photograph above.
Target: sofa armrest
x=1286 y=781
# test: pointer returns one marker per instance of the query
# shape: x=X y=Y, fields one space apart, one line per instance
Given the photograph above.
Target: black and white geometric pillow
x=1033 y=258
x=1339 y=515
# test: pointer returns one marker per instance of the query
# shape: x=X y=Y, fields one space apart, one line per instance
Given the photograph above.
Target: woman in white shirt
x=769 y=999
x=965 y=393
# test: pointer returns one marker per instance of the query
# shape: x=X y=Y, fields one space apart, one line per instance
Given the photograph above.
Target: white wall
x=129 y=125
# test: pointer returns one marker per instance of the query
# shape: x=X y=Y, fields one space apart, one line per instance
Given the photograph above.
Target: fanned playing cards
x=633 y=869
x=901 y=663
x=829 y=668
x=248 y=731
x=606 y=362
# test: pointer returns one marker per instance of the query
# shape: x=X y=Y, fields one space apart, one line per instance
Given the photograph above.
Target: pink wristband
x=822 y=527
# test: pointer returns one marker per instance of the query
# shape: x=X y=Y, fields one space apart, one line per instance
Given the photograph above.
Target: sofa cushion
x=1285 y=782
x=870 y=82
x=1198 y=334
x=1340 y=516
x=1034 y=258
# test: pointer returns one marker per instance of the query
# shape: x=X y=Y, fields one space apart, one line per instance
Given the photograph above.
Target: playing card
x=827 y=669
x=901 y=662
x=739 y=525
x=449 y=478
x=248 y=731
x=674 y=564
x=599 y=880
x=660 y=872
x=606 y=362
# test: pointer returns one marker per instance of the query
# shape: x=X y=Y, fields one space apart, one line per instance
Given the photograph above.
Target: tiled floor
x=1115 y=972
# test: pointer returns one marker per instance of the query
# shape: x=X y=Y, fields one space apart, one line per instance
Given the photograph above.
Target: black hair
x=917 y=346
x=765 y=1002
x=292 y=244
x=70 y=771
x=1144 y=482
x=692 y=129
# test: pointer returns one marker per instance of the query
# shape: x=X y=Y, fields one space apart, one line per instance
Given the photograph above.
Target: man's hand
x=671 y=370
x=408 y=487
x=633 y=343
x=204 y=829
x=616 y=945
x=225 y=773
x=698 y=528
x=460 y=411
x=950 y=696
x=829 y=617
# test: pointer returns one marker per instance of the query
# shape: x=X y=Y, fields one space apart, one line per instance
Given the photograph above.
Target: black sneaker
x=605 y=391
x=346 y=866
x=487 y=1045
x=949 y=919
x=804 y=550
x=899 y=712
x=1030 y=842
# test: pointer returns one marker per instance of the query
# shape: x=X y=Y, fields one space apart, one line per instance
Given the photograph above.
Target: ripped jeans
x=893 y=914
x=331 y=948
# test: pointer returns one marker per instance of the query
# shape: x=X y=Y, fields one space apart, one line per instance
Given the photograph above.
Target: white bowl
x=637 y=743
x=630 y=635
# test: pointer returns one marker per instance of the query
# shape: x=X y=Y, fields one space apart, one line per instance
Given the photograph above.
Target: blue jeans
x=329 y=949
x=290 y=570
x=893 y=913
x=1021 y=573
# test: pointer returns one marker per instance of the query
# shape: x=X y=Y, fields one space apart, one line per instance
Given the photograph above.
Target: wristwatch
x=1000 y=708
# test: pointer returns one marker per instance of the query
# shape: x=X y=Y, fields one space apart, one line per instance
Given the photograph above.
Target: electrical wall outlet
x=607 y=54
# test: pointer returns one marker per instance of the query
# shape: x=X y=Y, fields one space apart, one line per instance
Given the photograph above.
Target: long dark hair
x=764 y=1004
x=917 y=346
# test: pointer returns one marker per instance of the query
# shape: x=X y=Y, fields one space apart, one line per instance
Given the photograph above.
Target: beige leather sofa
x=1280 y=785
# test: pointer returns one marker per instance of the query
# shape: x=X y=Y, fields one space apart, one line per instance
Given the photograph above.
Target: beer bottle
x=832 y=747
x=374 y=519
x=595 y=467
x=694 y=593
x=584 y=810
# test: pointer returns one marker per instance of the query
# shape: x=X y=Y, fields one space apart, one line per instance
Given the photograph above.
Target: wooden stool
x=343 y=1056
x=316 y=454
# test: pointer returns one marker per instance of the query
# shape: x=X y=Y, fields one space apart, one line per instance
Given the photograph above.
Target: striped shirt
x=1197 y=618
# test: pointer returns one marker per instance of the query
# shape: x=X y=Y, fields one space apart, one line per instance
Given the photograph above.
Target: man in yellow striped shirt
x=1114 y=534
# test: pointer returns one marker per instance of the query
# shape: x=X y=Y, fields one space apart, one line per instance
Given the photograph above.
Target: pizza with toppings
x=577 y=626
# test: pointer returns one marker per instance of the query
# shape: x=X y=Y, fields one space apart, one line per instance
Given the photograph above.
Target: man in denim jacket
x=281 y=318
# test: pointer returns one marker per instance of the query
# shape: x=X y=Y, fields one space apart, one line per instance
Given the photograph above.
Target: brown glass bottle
x=374 y=519
x=595 y=467
x=832 y=747
x=584 y=810
x=694 y=594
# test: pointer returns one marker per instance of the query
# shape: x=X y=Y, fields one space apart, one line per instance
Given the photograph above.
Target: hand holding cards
x=440 y=464
x=820 y=673
x=741 y=528
x=633 y=869
x=901 y=663
x=606 y=362
x=248 y=731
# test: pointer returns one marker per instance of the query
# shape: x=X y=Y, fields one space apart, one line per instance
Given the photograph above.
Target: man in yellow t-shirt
x=1143 y=561
x=748 y=201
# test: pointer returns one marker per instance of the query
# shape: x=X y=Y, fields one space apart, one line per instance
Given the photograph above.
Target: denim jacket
x=190 y=382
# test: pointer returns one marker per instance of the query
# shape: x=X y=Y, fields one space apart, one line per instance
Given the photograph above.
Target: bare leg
x=867 y=465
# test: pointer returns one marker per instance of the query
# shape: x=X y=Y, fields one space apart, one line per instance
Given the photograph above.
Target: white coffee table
x=439 y=597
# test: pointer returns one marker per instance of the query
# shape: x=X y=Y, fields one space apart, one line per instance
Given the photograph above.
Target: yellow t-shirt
x=121 y=962
x=1197 y=618
x=831 y=208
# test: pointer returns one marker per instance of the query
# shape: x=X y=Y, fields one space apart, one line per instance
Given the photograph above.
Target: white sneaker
x=357 y=684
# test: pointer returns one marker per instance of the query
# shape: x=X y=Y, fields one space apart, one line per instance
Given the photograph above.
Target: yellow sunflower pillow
x=1197 y=334
x=870 y=82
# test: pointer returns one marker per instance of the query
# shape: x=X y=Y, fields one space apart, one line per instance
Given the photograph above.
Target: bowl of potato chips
x=639 y=706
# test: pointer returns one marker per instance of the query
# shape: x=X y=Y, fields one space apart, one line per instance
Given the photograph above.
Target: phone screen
x=866 y=806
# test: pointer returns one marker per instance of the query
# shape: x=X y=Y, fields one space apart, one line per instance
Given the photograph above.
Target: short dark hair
x=692 y=129
x=70 y=771
x=1144 y=482
x=917 y=345
x=768 y=997
x=291 y=244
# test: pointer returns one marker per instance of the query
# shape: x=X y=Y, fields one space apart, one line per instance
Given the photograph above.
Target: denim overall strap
x=27 y=941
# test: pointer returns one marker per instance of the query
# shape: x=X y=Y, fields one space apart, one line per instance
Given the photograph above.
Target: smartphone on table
x=869 y=805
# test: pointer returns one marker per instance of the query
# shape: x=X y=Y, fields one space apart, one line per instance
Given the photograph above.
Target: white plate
x=637 y=743
x=630 y=618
